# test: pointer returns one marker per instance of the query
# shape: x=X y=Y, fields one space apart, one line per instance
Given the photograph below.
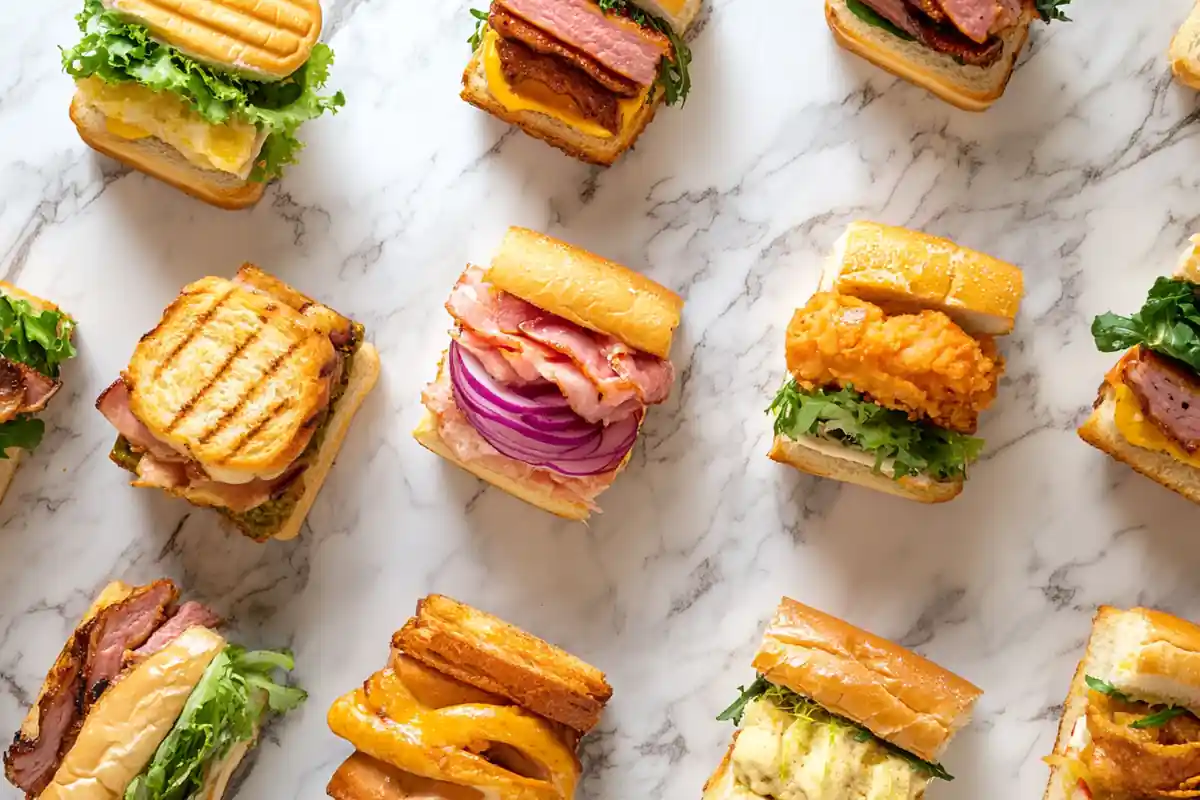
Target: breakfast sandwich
x=207 y=95
x=468 y=708
x=35 y=339
x=555 y=356
x=1130 y=728
x=892 y=361
x=585 y=76
x=239 y=400
x=963 y=51
x=838 y=712
x=146 y=700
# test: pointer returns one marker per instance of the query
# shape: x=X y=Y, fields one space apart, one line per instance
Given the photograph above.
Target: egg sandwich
x=585 y=76
x=1130 y=727
x=207 y=96
x=555 y=357
x=837 y=712
x=146 y=700
x=892 y=360
x=239 y=400
x=468 y=707
x=963 y=51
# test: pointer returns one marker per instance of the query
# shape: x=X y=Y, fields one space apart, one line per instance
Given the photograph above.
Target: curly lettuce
x=117 y=51
x=845 y=416
x=38 y=339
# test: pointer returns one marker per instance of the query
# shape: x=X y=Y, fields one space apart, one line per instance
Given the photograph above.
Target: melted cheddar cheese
x=1138 y=430
x=504 y=94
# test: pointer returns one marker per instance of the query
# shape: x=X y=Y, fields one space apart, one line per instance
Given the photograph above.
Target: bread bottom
x=969 y=88
x=361 y=777
x=159 y=160
x=8 y=468
x=806 y=458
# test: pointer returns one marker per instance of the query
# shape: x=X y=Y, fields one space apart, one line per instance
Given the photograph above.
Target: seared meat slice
x=930 y=8
x=1169 y=394
x=124 y=626
x=535 y=75
x=945 y=39
x=23 y=390
x=896 y=12
x=190 y=615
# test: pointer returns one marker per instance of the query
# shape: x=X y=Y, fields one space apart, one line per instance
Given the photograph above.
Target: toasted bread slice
x=722 y=785
x=1185 y=50
x=361 y=777
x=485 y=652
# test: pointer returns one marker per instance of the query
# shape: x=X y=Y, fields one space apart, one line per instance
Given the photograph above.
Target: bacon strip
x=23 y=390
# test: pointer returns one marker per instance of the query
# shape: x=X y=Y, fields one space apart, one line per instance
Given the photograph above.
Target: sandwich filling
x=217 y=120
x=33 y=344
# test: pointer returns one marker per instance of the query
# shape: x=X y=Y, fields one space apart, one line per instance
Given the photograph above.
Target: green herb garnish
x=748 y=694
x=873 y=17
x=1155 y=720
x=674 y=75
x=1050 y=10
x=481 y=18
x=1168 y=323
x=1106 y=688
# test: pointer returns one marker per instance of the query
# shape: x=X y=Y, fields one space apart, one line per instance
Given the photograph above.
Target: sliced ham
x=30 y=763
x=179 y=479
x=124 y=626
x=113 y=403
x=23 y=390
x=975 y=18
x=190 y=615
x=898 y=13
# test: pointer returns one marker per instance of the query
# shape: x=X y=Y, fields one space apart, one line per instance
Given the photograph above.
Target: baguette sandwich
x=892 y=360
x=1145 y=414
x=35 y=339
x=468 y=708
x=963 y=51
x=239 y=400
x=206 y=96
x=555 y=355
x=585 y=76
x=1129 y=728
x=1185 y=50
x=838 y=712
x=145 y=701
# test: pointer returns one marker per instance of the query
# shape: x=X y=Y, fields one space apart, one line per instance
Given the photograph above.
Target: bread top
x=903 y=271
x=483 y=651
x=1147 y=654
x=17 y=293
x=586 y=289
x=266 y=40
x=232 y=378
x=895 y=693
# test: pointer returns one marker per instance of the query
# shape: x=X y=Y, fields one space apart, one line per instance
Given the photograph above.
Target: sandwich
x=892 y=360
x=35 y=339
x=963 y=51
x=1129 y=728
x=207 y=97
x=1185 y=51
x=555 y=356
x=1146 y=412
x=239 y=400
x=838 y=712
x=146 y=701
x=585 y=76
x=468 y=707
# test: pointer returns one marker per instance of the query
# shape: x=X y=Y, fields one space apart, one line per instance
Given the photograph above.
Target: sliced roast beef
x=553 y=77
x=124 y=626
x=945 y=39
x=1169 y=394
x=23 y=390
x=896 y=12
x=190 y=615
x=33 y=758
x=975 y=18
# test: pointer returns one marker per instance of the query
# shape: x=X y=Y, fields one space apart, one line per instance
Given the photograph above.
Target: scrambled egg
x=785 y=757
x=133 y=111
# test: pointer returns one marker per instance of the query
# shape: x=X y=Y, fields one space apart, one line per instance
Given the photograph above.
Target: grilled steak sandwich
x=469 y=707
x=239 y=399
x=145 y=701
x=963 y=51
x=205 y=95
x=583 y=75
x=837 y=713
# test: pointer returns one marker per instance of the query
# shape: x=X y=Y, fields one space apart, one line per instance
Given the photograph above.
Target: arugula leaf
x=748 y=693
x=481 y=18
x=38 y=339
x=674 y=75
x=1049 y=10
x=1168 y=323
x=1106 y=688
x=24 y=432
x=845 y=416
x=117 y=51
x=873 y=17
x=1159 y=718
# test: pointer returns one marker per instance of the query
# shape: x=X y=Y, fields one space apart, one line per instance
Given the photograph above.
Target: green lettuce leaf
x=917 y=448
x=24 y=432
x=873 y=17
x=117 y=51
x=1050 y=10
x=1168 y=324
x=39 y=339
x=226 y=707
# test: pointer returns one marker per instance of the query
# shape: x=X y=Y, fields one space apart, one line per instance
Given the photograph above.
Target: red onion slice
x=535 y=399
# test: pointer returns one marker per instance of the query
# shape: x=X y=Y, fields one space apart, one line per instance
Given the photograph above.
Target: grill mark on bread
x=248 y=437
x=194 y=329
x=232 y=413
x=203 y=390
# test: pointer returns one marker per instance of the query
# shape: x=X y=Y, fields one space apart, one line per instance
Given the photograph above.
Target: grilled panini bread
x=970 y=88
x=1185 y=50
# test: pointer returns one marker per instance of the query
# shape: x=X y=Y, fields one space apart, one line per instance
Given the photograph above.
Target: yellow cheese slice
x=125 y=131
x=1138 y=430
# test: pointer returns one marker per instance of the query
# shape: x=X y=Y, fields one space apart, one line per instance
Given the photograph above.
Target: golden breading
x=922 y=364
x=233 y=378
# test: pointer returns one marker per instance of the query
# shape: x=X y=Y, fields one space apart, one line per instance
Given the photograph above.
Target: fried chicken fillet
x=922 y=364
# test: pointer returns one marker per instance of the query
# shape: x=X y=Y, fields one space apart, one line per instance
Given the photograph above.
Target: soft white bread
x=1187 y=266
x=904 y=271
x=131 y=719
x=1185 y=50
x=968 y=87
x=893 y=692
x=159 y=160
x=361 y=777
x=722 y=785
x=828 y=459
x=222 y=771
x=680 y=13
x=586 y=289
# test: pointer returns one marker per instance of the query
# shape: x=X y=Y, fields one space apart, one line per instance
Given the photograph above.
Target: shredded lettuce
x=225 y=708
x=38 y=339
x=117 y=51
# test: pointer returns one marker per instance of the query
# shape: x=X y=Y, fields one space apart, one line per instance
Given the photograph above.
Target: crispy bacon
x=23 y=390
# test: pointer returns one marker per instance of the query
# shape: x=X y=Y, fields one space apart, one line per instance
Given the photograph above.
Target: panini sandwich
x=240 y=398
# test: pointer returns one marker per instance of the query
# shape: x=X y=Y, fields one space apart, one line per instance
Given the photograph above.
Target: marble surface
x=1083 y=174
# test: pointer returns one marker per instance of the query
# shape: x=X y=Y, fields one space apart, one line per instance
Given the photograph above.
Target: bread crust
x=159 y=160
x=896 y=694
x=8 y=469
x=1184 y=53
x=361 y=777
x=935 y=72
x=483 y=651
x=719 y=785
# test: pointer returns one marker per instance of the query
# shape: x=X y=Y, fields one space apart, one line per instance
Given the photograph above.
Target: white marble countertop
x=1084 y=174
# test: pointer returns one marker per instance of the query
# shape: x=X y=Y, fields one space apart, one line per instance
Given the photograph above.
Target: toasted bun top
x=903 y=271
x=895 y=693
x=20 y=294
x=1150 y=655
x=131 y=719
x=586 y=289
x=233 y=378
x=262 y=39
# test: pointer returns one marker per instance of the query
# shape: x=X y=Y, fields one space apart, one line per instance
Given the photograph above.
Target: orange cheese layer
x=1138 y=430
